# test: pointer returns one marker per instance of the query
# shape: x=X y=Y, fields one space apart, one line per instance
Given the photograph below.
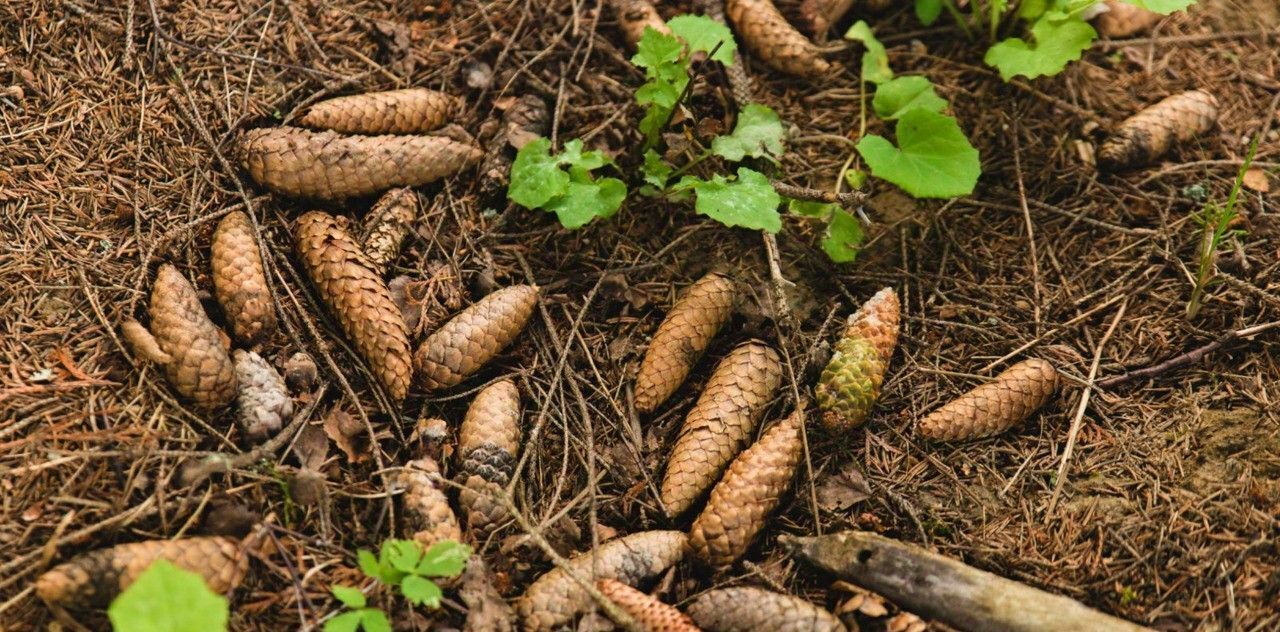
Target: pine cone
x=995 y=406
x=240 y=281
x=488 y=443
x=263 y=404
x=94 y=579
x=748 y=609
x=358 y=298
x=682 y=337
x=408 y=111
x=648 y=611
x=1149 y=134
x=769 y=36
x=634 y=16
x=428 y=516
x=386 y=226
x=1122 y=19
x=473 y=337
x=199 y=367
x=554 y=600
x=720 y=423
x=850 y=384
x=750 y=490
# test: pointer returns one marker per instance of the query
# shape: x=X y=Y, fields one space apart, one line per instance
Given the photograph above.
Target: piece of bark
x=994 y=407
x=407 y=111
x=142 y=343
x=648 y=611
x=473 y=337
x=263 y=404
x=938 y=587
x=385 y=227
x=428 y=517
x=329 y=166
x=772 y=39
x=240 y=281
x=634 y=16
x=199 y=367
x=683 y=336
x=850 y=384
x=748 y=609
x=1122 y=19
x=524 y=121
x=488 y=442
x=1151 y=133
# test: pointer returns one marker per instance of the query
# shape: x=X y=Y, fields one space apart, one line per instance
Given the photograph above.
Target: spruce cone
x=92 y=580
x=720 y=423
x=682 y=337
x=652 y=614
x=240 y=281
x=748 y=609
x=1122 y=19
x=408 y=111
x=769 y=36
x=263 y=404
x=428 y=516
x=386 y=226
x=636 y=15
x=473 y=337
x=820 y=15
x=488 y=443
x=750 y=490
x=199 y=367
x=995 y=406
x=1149 y=134
x=358 y=298
x=554 y=600
x=850 y=384
x=330 y=166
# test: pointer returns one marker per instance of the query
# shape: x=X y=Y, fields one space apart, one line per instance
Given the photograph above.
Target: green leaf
x=536 y=176
x=809 y=208
x=374 y=620
x=586 y=200
x=656 y=170
x=403 y=554
x=166 y=598
x=345 y=622
x=446 y=558
x=703 y=34
x=656 y=48
x=663 y=93
x=855 y=178
x=875 y=62
x=421 y=591
x=894 y=98
x=651 y=125
x=1030 y=10
x=1163 y=7
x=933 y=157
x=573 y=156
x=927 y=11
x=749 y=201
x=349 y=596
x=369 y=564
x=844 y=237
x=758 y=134
x=1059 y=40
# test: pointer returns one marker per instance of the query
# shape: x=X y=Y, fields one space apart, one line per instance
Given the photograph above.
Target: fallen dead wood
x=938 y=587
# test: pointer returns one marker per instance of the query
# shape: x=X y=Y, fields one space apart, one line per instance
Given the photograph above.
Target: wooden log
x=938 y=587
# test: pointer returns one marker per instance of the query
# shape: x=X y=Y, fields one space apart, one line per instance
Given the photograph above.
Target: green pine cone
x=850 y=384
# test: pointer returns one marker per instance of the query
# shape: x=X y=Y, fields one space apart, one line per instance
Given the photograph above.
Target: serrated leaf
x=349 y=596
x=933 y=157
x=749 y=201
x=894 y=98
x=369 y=564
x=166 y=598
x=421 y=591
x=758 y=134
x=588 y=199
x=660 y=93
x=704 y=34
x=651 y=124
x=844 y=237
x=875 y=61
x=403 y=554
x=927 y=11
x=656 y=170
x=345 y=622
x=1163 y=7
x=656 y=48
x=810 y=208
x=375 y=620
x=1059 y=40
x=536 y=176
x=445 y=558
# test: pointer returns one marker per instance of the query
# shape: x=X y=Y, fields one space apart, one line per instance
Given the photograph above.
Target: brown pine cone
x=555 y=599
x=142 y=343
x=1149 y=134
x=94 y=579
x=682 y=337
x=850 y=384
x=263 y=404
x=488 y=443
x=357 y=297
x=329 y=166
x=199 y=367
x=473 y=337
x=386 y=226
x=636 y=15
x=240 y=281
x=820 y=15
x=428 y=517
x=995 y=406
x=747 y=609
x=407 y=111
x=769 y=36
x=651 y=613
x=1122 y=19
x=720 y=423
x=750 y=490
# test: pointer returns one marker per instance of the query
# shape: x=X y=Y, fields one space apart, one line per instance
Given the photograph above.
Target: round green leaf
x=536 y=176
x=758 y=134
x=1059 y=40
x=844 y=237
x=749 y=201
x=894 y=98
x=933 y=158
x=166 y=598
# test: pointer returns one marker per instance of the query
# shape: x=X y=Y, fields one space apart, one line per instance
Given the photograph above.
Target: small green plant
x=1216 y=220
x=404 y=565
x=166 y=598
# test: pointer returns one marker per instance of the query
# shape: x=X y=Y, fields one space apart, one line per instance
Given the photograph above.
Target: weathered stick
x=938 y=587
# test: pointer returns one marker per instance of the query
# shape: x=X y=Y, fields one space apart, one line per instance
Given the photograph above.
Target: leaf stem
x=959 y=18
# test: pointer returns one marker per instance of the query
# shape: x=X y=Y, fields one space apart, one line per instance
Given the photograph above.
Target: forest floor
x=115 y=157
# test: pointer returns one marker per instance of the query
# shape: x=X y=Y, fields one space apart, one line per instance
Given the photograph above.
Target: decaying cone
x=263 y=404
x=682 y=337
x=92 y=580
x=524 y=121
x=189 y=344
x=488 y=443
x=240 y=281
x=634 y=16
x=1147 y=135
x=995 y=406
x=820 y=15
x=1122 y=19
x=651 y=613
x=386 y=226
x=428 y=517
x=357 y=297
x=408 y=111
x=555 y=599
x=487 y=611
x=720 y=423
x=770 y=37
x=329 y=166
x=850 y=385
x=747 y=609
x=474 y=336
x=750 y=490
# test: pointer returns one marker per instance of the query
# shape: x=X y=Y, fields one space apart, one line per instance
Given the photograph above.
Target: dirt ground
x=117 y=155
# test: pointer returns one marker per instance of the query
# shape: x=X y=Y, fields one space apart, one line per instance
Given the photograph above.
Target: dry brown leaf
x=1257 y=180
x=345 y=431
x=839 y=492
x=311 y=447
